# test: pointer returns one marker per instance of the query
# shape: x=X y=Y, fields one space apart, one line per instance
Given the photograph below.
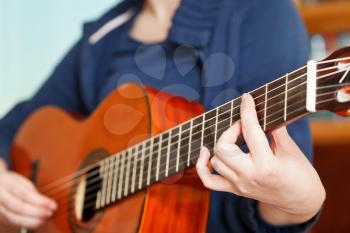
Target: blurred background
x=34 y=35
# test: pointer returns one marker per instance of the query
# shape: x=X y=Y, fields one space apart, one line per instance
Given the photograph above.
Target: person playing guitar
x=207 y=51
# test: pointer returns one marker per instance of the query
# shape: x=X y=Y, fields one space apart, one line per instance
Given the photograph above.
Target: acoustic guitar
x=129 y=166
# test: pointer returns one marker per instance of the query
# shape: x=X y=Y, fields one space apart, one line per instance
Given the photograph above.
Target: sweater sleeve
x=61 y=89
x=273 y=42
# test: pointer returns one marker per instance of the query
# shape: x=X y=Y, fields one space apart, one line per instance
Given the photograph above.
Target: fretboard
x=177 y=149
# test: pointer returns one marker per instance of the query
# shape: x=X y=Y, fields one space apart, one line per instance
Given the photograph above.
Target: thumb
x=281 y=140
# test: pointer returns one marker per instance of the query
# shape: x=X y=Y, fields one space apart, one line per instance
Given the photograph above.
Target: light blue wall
x=34 y=35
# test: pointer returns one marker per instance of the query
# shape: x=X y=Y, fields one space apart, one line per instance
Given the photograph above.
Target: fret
x=159 y=155
x=128 y=158
x=189 y=144
x=265 y=105
x=216 y=126
x=138 y=161
x=121 y=175
x=285 y=98
x=236 y=109
x=141 y=167
x=104 y=184
x=163 y=155
x=168 y=155
x=196 y=138
x=99 y=197
x=98 y=200
x=275 y=103
x=231 y=112
x=209 y=131
x=109 y=182
x=178 y=149
x=296 y=95
x=184 y=144
x=133 y=180
x=154 y=162
x=224 y=122
x=174 y=141
x=145 y=162
x=150 y=162
x=259 y=99
x=115 y=179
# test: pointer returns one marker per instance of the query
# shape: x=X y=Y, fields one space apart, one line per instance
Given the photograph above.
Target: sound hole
x=83 y=196
x=87 y=195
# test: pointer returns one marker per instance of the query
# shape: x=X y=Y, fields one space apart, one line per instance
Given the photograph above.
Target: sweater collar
x=192 y=25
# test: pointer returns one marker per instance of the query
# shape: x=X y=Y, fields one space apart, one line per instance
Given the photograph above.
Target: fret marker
x=265 y=106
x=311 y=86
x=285 y=98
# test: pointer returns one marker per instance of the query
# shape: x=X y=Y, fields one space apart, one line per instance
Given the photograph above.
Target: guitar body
x=60 y=145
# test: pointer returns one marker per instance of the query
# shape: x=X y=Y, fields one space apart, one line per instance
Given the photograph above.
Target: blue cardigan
x=264 y=39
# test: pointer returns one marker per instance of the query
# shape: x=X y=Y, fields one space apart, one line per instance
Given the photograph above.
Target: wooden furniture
x=332 y=161
x=326 y=17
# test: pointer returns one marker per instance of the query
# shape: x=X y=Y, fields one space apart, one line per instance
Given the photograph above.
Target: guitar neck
x=177 y=149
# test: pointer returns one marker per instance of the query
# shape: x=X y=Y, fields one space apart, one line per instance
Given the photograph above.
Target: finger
x=252 y=132
x=21 y=221
x=281 y=138
x=224 y=170
x=24 y=181
x=231 y=135
x=210 y=181
x=232 y=156
x=33 y=197
x=17 y=206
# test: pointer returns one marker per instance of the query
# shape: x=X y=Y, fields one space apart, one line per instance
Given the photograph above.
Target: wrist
x=279 y=216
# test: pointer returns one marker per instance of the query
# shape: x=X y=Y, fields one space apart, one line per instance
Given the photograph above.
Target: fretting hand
x=20 y=204
x=278 y=174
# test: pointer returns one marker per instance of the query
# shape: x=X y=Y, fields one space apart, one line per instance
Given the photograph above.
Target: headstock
x=333 y=83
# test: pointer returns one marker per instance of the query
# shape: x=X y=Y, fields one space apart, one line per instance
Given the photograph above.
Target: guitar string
x=297 y=78
x=172 y=161
x=145 y=172
x=179 y=148
x=238 y=106
x=82 y=171
x=90 y=204
x=208 y=120
x=95 y=179
x=328 y=87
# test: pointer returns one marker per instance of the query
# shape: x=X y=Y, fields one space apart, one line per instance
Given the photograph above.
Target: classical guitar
x=127 y=167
